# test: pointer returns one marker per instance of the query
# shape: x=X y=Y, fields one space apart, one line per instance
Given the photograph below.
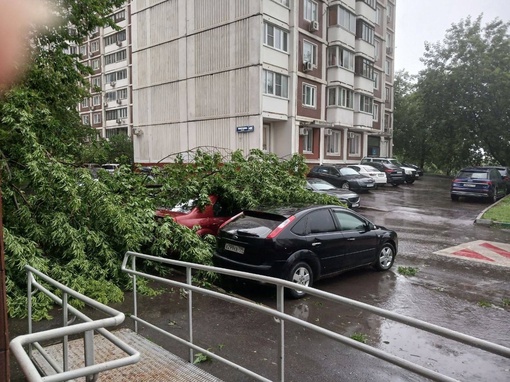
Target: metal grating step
x=156 y=363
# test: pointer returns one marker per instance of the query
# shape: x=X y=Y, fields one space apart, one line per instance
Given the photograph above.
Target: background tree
x=461 y=99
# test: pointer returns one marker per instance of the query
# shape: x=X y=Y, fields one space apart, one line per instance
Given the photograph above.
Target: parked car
x=303 y=244
x=419 y=170
x=505 y=173
x=478 y=182
x=209 y=219
x=410 y=173
x=342 y=177
x=364 y=169
x=110 y=167
x=394 y=174
x=350 y=198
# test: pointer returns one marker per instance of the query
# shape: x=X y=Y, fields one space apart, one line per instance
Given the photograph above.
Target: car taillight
x=280 y=227
x=388 y=170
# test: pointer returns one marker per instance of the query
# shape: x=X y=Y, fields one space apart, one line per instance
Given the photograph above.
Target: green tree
x=466 y=93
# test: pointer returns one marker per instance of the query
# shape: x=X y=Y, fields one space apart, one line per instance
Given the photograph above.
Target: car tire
x=345 y=185
x=385 y=257
x=394 y=184
x=302 y=274
x=410 y=181
x=494 y=197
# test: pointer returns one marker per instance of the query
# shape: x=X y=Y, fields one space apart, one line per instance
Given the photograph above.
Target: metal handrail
x=279 y=313
x=17 y=345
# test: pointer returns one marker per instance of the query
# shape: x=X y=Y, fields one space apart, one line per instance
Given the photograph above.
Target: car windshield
x=186 y=207
x=348 y=171
x=370 y=169
x=472 y=175
x=321 y=186
x=396 y=162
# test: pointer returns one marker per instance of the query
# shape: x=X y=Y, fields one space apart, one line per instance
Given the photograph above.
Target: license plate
x=370 y=185
x=234 y=248
x=469 y=185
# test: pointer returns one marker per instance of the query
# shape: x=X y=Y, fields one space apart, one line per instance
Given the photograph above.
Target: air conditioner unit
x=350 y=135
x=137 y=131
x=112 y=84
x=328 y=132
x=119 y=43
x=119 y=121
x=314 y=26
x=119 y=101
x=303 y=131
x=307 y=66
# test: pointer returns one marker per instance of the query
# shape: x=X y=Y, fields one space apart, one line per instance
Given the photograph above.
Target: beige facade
x=302 y=76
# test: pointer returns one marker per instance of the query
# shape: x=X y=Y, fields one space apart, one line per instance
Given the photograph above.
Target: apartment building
x=108 y=52
x=285 y=76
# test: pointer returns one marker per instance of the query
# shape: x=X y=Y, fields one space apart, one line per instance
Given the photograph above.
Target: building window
x=115 y=76
x=376 y=80
x=308 y=141
x=85 y=119
x=354 y=144
x=122 y=93
x=390 y=11
x=112 y=115
x=379 y=16
x=365 y=31
x=365 y=104
x=276 y=84
x=333 y=143
x=119 y=16
x=309 y=95
x=83 y=50
x=114 y=38
x=96 y=118
x=115 y=57
x=377 y=49
x=85 y=102
x=346 y=19
x=388 y=94
x=375 y=114
x=311 y=10
x=275 y=37
x=284 y=2
x=338 y=56
x=370 y=3
x=364 y=68
x=309 y=52
x=387 y=67
x=96 y=100
x=387 y=123
x=94 y=46
x=95 y=64
x=117 y=131
x=96 y=82
x=339 y=96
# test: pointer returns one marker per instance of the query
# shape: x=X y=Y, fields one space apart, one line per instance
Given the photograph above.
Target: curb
x=489 y=222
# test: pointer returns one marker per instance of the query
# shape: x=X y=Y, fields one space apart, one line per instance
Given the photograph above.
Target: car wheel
x=454 y=197
x=301 y=274
x=345 y=185
x=385 y=257
x=394 y=184
x=494 y=197
x=410 y=181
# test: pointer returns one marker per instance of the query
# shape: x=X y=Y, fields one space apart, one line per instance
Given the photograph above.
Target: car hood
x=361 y=177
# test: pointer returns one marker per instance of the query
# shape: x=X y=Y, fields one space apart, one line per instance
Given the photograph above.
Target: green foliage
x=407 y=271
x=456 y=112
x=360 y=337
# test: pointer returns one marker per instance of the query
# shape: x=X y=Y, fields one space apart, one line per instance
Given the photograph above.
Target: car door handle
x=316 y=243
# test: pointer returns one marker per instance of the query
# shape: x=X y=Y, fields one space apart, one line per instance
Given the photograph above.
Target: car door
x=321 y=236
x=498 y=180
x=360 y=240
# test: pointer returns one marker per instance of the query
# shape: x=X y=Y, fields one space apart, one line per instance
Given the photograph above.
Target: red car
x=188 y=214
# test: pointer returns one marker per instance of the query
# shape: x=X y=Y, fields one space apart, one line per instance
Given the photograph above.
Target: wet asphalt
x=459 y=294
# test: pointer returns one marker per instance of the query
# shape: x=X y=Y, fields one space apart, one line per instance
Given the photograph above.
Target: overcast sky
x=427 y=20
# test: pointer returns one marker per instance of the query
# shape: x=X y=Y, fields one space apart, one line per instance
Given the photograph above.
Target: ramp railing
x=129 y=265
x=23 y=346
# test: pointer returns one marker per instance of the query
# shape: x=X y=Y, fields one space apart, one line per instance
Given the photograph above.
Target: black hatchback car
x=303 y=244
x=342 y=177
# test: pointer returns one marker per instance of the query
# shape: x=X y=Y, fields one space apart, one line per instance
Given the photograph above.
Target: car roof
x=286 y=211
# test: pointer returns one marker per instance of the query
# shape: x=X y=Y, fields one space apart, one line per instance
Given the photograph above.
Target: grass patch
x=484 y=304
x=500 y=212
x=407 y=271
x=506 y=302
x=360 y=337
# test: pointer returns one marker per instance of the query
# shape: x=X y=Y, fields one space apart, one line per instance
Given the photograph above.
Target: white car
x=364 y=169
